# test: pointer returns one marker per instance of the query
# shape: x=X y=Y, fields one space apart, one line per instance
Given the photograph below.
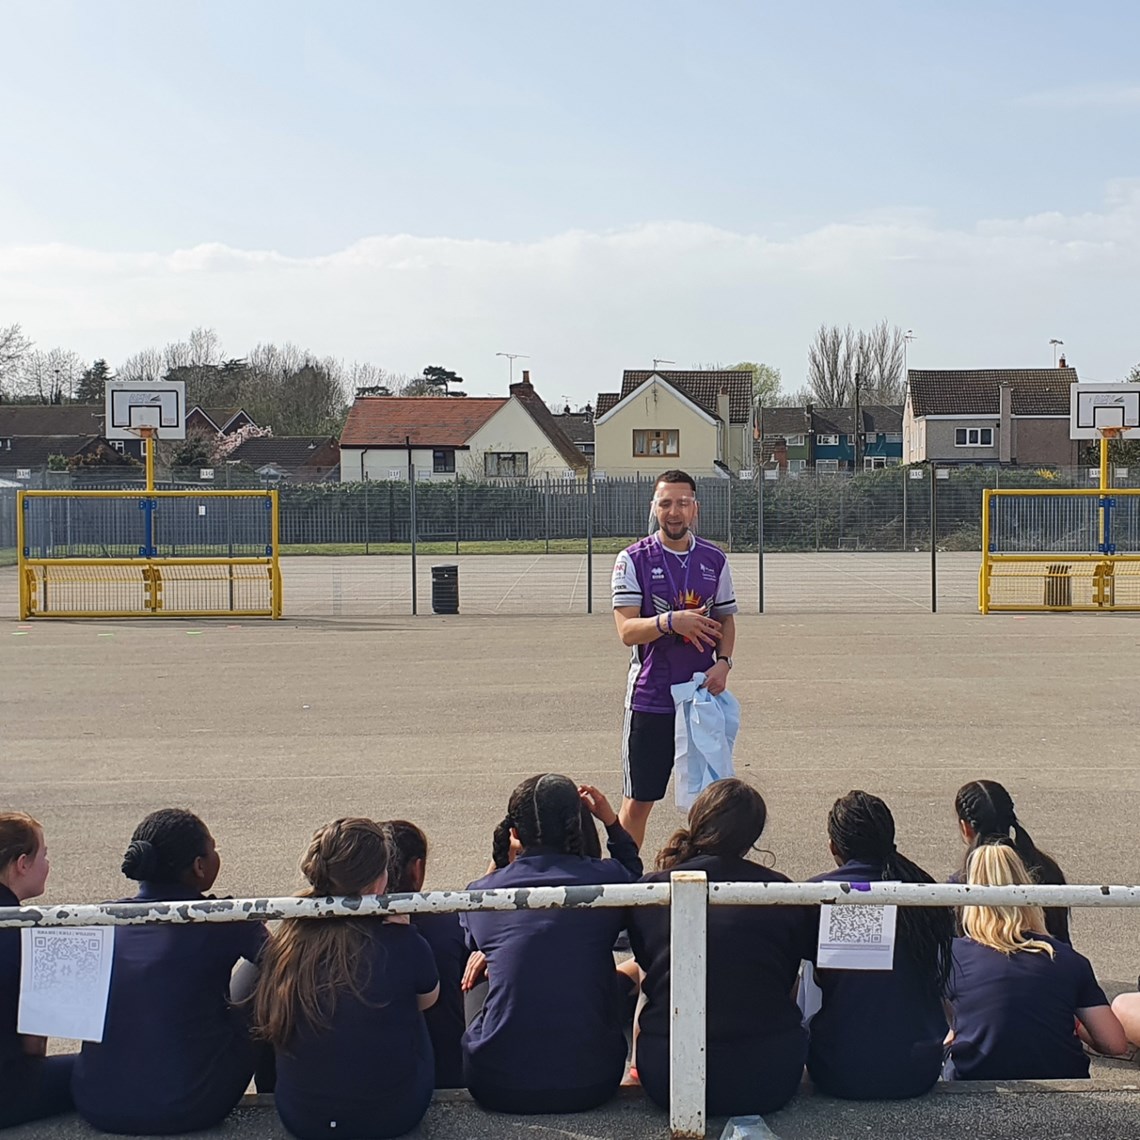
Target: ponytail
x=860 y=826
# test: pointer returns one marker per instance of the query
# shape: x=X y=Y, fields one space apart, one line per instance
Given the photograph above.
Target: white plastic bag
x=747 y=1128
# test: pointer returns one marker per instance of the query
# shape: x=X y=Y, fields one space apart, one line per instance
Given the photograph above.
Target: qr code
x=856 y=925
x=60 y=963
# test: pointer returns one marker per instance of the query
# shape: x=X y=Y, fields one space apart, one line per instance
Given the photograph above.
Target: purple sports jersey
x=657 y=579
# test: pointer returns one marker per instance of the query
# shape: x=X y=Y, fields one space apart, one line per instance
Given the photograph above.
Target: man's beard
x=675 y=531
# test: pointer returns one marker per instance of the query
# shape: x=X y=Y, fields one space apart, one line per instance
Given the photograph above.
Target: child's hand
x=597 y=804
x=475 y=971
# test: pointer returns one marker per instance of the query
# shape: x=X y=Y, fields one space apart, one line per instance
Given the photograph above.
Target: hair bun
x=141 y=860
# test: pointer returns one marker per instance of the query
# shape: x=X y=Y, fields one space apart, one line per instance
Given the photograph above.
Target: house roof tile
x=976 y=392
x=784 y=421
x=287 y=451
x=35 y=450
x=700 y=386
x=605 y=401
x=578 y=426
x=548 y=424
x=83 y=420
x=429 y=421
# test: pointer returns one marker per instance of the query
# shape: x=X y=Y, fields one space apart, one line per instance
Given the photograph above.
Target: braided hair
x=165 y=845
x=988 y=808
x=861 y=827
x=726 y=819
x=545 y=811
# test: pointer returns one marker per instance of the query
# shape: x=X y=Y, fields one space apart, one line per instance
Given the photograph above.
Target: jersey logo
x=658 y=572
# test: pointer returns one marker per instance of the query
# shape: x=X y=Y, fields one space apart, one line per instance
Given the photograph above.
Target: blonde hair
x=1002 y=928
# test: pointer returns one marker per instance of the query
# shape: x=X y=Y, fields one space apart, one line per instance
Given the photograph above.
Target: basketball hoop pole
x=149 y=435
x=1106 y=435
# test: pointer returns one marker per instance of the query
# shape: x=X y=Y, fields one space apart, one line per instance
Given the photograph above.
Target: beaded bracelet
x=657 y=622
x=670 y=621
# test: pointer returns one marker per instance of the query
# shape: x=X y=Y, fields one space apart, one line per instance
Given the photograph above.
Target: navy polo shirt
x=10 y=1046
x=552 y=1016
x=373 y=1065
x=172 y=1043
x=754 y=955
x=445 y=1020
x=1013 y=1014
x=879 y=1033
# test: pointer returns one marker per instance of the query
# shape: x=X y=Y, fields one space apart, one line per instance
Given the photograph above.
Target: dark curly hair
x=546 y=812
x=165 y=845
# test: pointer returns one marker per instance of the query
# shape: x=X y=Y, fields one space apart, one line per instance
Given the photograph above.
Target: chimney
x=1005 y=425
x=1061 y=363
x=523 y=385
x=723 y=413
x=526 y=376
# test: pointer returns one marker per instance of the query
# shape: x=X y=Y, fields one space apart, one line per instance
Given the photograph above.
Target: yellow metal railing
x=1073 y=569
x=120 y=583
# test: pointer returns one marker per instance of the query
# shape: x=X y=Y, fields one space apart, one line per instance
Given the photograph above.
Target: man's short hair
x=675 y=476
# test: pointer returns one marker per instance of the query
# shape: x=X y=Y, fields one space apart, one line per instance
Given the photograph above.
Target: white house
x=472 y=437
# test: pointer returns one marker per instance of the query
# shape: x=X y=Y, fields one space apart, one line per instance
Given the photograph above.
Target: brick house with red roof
x=474 y=437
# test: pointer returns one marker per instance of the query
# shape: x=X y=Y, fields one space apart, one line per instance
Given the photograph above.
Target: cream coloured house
x=700 y=422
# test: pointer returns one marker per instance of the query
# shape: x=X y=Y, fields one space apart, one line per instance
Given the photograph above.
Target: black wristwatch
x=724 y=657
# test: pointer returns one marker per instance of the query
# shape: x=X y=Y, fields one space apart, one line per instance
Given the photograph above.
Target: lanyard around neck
x=682 y=594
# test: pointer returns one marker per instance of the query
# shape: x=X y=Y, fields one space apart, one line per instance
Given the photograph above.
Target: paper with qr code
x=856 y=937
x=65 y=977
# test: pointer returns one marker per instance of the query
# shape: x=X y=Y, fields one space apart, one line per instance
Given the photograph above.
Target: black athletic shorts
x=647 y=747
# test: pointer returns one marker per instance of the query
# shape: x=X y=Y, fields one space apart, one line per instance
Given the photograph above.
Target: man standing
x=673 y=604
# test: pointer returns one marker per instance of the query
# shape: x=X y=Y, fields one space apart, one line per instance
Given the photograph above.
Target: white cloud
x=585 y=305
x=1093 y=96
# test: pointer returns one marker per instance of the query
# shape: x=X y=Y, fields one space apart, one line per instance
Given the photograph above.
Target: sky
x=594 y=184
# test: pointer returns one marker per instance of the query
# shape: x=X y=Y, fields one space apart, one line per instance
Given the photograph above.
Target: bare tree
x=203 y=349
x=14 y=346
x=145 y=365
x=838 y=354
x=880 y=361
x=831 y=365
x=49 y=377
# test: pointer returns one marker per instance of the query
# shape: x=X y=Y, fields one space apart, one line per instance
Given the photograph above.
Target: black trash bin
x=445 y=589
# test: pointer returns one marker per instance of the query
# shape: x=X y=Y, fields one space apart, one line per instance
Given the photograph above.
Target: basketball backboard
x=1096 y=407
x=135 y=404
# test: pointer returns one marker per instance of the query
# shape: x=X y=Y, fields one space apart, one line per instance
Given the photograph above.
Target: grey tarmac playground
x=267 y=729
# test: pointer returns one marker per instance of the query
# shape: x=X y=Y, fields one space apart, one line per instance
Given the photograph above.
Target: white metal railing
x=688 y=894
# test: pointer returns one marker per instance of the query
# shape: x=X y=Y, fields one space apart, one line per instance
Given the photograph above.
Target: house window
x=505 y=464
x=797 y=464
x=656 y=441
x=827 y=440
x=827 y=466
x=871 y=462
x=974 y=437
x=119 y=445
x=894 y=437
x=871 y=437
x=795 y=441
x=443 y=461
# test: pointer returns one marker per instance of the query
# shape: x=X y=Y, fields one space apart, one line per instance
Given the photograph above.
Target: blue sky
x=592 y=183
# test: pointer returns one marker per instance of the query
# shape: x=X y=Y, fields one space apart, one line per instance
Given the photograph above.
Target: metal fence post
x=760 y=538
x=933 y=539
x=730 y=516
x=590 y=539
x=457 y=491
x=905 y=471
x=546 y=510
x=366 y=536
x=412 y=517
x=688 y=921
